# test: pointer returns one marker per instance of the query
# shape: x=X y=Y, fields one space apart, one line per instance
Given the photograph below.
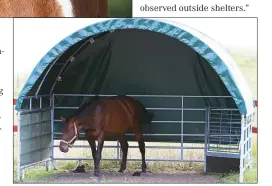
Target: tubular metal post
x=66 y=63
x=181 y=131
x=250 y=145
x=38 y=90
x=40 y=102
x=206 y=137
x=19 y=148
x=47 y=165
x=30 y=104
x=118 y=150
x=241 y=176
x=23 y=174
x=52 y=131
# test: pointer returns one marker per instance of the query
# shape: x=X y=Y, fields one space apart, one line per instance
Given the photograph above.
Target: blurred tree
x=120 y=8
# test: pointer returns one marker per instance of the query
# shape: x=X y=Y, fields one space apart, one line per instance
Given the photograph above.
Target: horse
x=108 y=117
x=54 y=8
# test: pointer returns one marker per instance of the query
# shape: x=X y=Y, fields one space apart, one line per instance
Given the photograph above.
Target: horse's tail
x=147 y=117
x=148 y=120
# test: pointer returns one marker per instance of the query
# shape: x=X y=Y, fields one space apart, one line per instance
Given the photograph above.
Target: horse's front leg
x=98 y=157
x=91 y=142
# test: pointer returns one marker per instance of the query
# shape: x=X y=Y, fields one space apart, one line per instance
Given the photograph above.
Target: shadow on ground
x=126 y=177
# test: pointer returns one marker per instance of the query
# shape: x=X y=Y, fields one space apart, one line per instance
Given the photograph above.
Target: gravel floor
x=126 y=177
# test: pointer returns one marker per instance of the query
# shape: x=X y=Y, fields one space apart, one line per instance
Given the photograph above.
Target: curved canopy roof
x=217 y=58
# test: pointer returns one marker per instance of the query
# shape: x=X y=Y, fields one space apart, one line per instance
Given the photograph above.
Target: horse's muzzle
x=63 y=147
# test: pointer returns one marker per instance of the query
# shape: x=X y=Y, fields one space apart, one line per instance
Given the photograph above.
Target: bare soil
x=115 y=177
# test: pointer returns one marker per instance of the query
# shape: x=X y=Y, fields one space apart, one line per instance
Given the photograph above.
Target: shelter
x=194 y=88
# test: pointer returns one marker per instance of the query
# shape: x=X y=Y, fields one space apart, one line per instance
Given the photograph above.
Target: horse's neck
x=90 y=8
x=30 y=8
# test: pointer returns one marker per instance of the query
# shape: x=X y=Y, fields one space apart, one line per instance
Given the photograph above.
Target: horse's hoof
x=137 y=173
x=96 y=174
x=122 y=170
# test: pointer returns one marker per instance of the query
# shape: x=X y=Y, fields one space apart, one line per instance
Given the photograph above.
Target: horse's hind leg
x=98 y=157
x=124 y=147
x=141 y=143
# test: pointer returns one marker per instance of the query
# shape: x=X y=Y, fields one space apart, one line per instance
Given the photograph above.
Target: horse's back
x=119 y=114
x=121 y=105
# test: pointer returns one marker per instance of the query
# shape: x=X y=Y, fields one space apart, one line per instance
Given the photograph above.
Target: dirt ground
x=126 y=177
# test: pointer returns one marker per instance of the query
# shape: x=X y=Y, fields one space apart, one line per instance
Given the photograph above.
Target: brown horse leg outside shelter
x=112 y=116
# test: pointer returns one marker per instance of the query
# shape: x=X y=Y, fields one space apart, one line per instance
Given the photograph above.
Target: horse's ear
x=63 y=119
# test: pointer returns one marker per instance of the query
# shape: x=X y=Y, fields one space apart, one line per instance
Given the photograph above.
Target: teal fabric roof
x=221 y=62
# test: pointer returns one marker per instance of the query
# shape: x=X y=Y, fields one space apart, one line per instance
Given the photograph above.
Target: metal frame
x=246 y=144
x=181 y=147
x=20 y=168
x=246 y=126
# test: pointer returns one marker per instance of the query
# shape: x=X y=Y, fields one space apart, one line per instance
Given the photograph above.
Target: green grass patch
x=250 y=175
x=34 y=173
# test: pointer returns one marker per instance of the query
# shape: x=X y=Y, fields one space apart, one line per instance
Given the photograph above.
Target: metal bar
x=225 y=109
x=118 y=150
x=224 y=118
x=40 y=102
x=230 y=127
x=222 y=148
x=164 y=109
x=166 y=121
x=241 y=176
x=161 y=96
x=58 y=133
x=176 y=160
x=247 y=152
x=226 y=155
x=30 y=104
x=57 y=64
x=181 y=130
x=19 y=148
x=206 y=138
x=23 y=112
x=216 y=113
x=214 y=127
x=224 y=135
x=147 y=147
x=58 y=120
x=32 y=164
x=66 y=63
x=47 y=165
x=52 y=130
x=40 y=85
x=38 y=96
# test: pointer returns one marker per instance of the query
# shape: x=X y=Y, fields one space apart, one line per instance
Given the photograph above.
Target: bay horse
x=54 y=8
x=112 y=116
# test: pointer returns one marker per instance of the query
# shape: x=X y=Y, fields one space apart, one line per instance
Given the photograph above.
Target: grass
x=250 y=175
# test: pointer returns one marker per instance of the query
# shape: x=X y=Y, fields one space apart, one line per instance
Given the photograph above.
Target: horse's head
x=70 y=133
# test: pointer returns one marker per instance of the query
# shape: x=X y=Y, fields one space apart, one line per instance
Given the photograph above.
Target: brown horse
x=54 y=8
x=112 y=116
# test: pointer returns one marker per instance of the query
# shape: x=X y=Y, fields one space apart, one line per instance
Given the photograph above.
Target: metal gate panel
x=246 y=144
x=34 y=136
x=224 y=132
